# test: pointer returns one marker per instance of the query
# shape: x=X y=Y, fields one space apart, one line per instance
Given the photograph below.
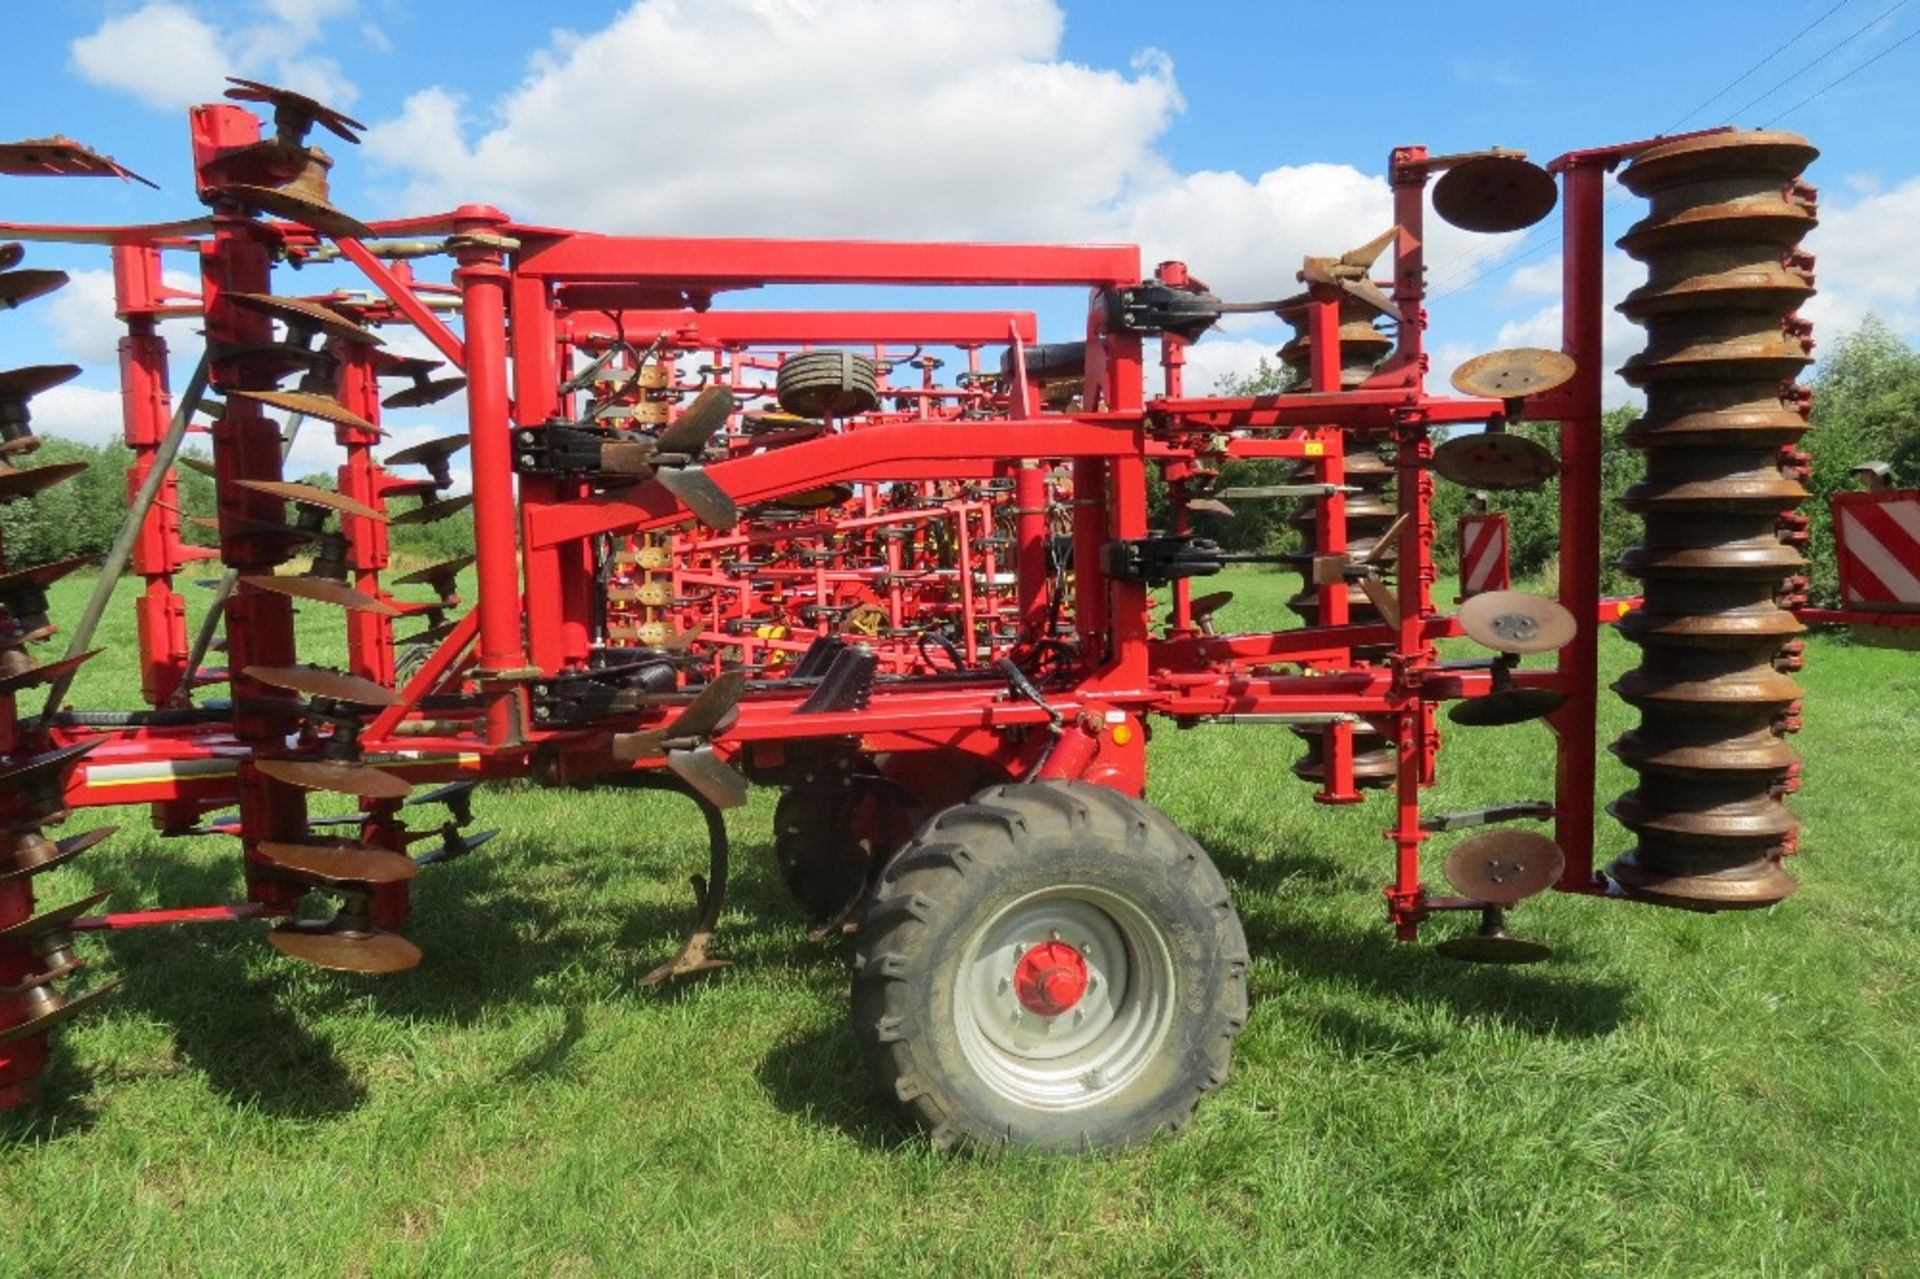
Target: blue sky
x=1237 y=135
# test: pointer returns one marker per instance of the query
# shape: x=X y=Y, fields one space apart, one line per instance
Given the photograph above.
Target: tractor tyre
x=1050 y=966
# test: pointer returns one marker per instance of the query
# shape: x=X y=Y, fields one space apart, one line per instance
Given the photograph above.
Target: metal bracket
x=1536 y=810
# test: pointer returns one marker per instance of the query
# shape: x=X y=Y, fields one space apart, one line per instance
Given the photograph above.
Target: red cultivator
x=718 y=546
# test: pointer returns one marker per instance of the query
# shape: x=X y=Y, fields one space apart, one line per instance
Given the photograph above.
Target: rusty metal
x=1493 y=944
x=61 y=157
x=432 y=512
x=330 y=685
x=343 y=778
x=348 y=943
x=304 y=318
x=1495 y=192
x=308 y=404
x=1493 y=459
x=338 y=863
x=18 y=287
x=1513 y=374
x=321 y=590
x=1516 y=622
x=1725 y=276
x=308 y=495
x=1503 y=866
x=25 y=853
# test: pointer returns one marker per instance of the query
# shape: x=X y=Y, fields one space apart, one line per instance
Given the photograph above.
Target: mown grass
x=1671 y=1094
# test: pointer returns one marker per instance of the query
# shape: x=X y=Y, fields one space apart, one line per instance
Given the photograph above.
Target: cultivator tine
x=454 y=846
x=304 y=318
x=338 y=863
x=362 y=781
x=432 y=512
x=321 y=590
x=426 y=389
x=324 y=684
x=18 y=680
x=712 y=710
x=1494 y=460
x=1516 y=622
x=308 y=404
x=348 y=943
x=46 y=1009
x=697 y=423
x=60 y=157
x=1493 y=944
x=27 y=853
x=1500 y=191
x=295 y=114
x=1503 y=867
x=1514 y=374
x=308 y=495
x=19 y=482
x=20 y=287
x=696 y=491
x=17 y=386
x=711 y=776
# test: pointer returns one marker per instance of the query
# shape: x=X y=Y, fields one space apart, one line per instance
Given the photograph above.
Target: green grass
x=1671 y=1094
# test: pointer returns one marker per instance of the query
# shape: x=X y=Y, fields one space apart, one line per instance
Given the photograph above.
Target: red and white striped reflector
x=1483 y=554
x=1877 y=541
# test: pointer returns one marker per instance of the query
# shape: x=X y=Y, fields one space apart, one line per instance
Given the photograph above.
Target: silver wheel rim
x=1105 y=1040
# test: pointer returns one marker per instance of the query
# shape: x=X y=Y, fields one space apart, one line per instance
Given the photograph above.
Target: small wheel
x=1050 y=965
x=817 y=384
x=823 y=858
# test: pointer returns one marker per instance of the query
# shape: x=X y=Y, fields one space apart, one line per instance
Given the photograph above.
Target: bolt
x=1005 y=982
x=1054 y=934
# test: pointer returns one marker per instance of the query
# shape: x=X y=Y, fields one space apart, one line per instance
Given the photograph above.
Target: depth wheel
x=826 y=839
x=1052 y=966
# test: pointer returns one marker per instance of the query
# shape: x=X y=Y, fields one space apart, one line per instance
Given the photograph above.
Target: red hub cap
x=1050 y=978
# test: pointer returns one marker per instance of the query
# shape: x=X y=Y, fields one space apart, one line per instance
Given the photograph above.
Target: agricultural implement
x=900 y=564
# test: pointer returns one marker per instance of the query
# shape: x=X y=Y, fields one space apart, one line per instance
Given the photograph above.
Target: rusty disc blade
x=339 y=862
x=697 y=423
x=294 y=207
x=1504 y=866
x=1493 y=948
x=1207 y=605
x=12 y=253
x=19 y=482
x=42 y=574
x=322 y=590
x=427 y=452
x=1494 y=460
x=708 y=711
x=45 y=673
x=62 y=157
x=299 y=313
x=372 y=954
x=1516 y=622
x=324 y=407
x=697 y=491
x=361 y=780
x=64 y=851
x=31 y=379
x=431 y=512
x=1210 y=506
x=17 y=287
x=814 y=499
x=421 y=394
x=66 y=1012
x=1508 y=706
x=37 y=770
x=434 y=573
x=338 y=123
x=310 y=495
x=1495 y=193
x=1514 y=374
x=198 y=465
x=53 y=920
x=318 y=681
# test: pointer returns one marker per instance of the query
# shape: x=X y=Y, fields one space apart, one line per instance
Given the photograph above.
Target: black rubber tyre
x=1049 y=361
x=823 y=860
x=817 y=384
x=937 y=932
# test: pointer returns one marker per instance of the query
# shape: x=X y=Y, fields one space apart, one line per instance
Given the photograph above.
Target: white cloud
x=1868 y=259
x=87 y=413
x=1619 y=336
x=798 y=117
x=81 y=322
x=1214 y=357
x=166 y=55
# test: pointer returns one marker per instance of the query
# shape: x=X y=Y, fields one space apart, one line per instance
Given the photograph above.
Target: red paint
x=1050 y=978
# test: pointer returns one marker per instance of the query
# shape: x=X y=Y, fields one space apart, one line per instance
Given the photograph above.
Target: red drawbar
x=1050 y=978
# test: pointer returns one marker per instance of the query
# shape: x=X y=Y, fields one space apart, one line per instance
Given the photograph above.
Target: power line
x=1738 y=80
x=1906 y=39
x=1869 y=25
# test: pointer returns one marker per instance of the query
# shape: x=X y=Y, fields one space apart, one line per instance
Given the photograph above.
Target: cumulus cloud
x=1868 y=260
x=75 y=412
x=168 y=56
x=1619 y=337
x=797 y=117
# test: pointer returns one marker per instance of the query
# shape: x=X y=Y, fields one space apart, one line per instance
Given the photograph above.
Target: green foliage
x=1866 y=408
x=79 y=516
x=1254 y=525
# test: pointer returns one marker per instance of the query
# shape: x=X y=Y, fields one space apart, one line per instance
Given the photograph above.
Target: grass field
x=1670 y=1094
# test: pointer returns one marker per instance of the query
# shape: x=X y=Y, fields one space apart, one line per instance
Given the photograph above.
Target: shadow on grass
x=820 y=1078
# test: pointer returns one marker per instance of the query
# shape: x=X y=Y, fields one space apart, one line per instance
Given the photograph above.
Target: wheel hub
x=1050 y=978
